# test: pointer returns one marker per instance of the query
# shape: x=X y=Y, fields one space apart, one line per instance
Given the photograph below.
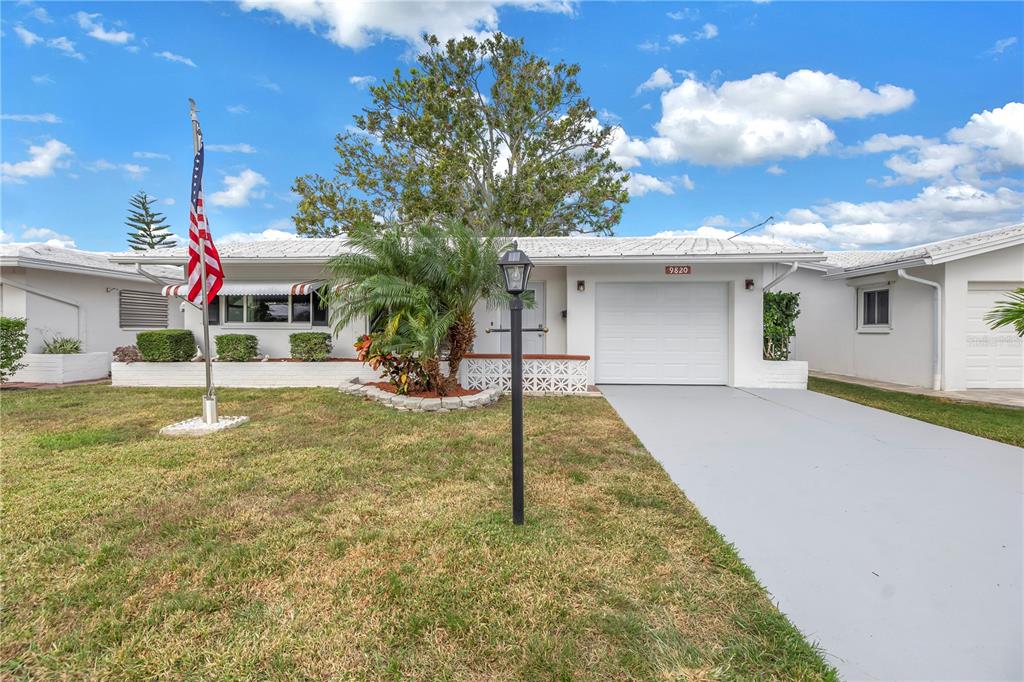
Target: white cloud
x=360 y=23
x=132 y=170
x=237 y=109
x=763 y=117
x=150 y=155
x=686 y=183
x=677 y=39
x=686 y=13
x=640 y=184
x=43 y=160
x=659 y=80
x=1002 y=45
x=652 y=46
x=31 y=118
x=65 y=47
x=706 y=32
x=713 y=232
x=362 y=82
x=1001 y=131
x=27 y=37
x=269 y=234
x=42 y=79
x=96 y=29
x=238 y=189
x=240 y=148
x=268 y=84
x=625 y=151
x=45 y=235
x=168 y=201
x=775 y=169
x=41 y=15
x=171 y=57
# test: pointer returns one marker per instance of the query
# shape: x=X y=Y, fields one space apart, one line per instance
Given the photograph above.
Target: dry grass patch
x=331 y=538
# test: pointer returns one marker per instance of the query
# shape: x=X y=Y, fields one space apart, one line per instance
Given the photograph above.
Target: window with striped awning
x=142 y=309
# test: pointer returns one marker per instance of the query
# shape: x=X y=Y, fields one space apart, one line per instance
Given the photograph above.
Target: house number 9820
x=678 y=270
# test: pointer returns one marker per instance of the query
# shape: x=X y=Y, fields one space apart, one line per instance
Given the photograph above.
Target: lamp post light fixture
x=516 y=266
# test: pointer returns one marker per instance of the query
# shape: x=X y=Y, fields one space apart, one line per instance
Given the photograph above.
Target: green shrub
x=310 y=346
x=13 y=344
x=166 y=345
x=236 y=347
x=781 y=308
x=62 y=345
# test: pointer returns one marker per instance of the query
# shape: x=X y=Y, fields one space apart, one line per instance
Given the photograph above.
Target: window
x=142 y=310
x=214 y=314
x=268 y=308
x=234 y=308
x=875 y=308
x=319 y=311
x=300 y=308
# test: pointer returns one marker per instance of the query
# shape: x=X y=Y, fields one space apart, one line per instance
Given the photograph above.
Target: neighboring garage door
x=995 y=358
x=662 y=333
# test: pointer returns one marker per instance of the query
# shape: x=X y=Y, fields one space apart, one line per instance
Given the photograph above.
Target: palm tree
x=421 y=286
x=1009 y=312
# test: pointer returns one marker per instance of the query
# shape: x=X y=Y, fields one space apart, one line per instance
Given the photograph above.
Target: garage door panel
x=662 y=333
x=994 y=358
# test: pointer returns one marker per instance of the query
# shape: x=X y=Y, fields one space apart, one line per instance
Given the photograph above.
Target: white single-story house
x=914 y=316
x=639 y=310
x=80 y=294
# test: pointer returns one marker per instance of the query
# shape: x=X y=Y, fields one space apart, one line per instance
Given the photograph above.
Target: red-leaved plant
x=404 y=372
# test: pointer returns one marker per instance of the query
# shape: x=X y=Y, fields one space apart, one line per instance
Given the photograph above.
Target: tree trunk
x=460 y=340
x=436 y=379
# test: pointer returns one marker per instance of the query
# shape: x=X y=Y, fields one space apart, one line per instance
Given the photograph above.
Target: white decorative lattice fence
x=555 y=374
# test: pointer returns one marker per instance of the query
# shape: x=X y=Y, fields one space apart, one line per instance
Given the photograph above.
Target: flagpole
x=210 y=399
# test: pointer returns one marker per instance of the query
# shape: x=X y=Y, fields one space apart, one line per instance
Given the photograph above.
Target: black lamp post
x=516 y=267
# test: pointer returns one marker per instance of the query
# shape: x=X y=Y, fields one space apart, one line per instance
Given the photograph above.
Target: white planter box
x=782 y=374
x=42 y=368
x=241 y=374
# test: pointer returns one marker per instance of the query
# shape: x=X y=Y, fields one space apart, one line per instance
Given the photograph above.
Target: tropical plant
x=310 y=346
x=13 y=344
x=147 y=229
x=421 y=285
x=62 y=345
x=404 y=372
x=480 y=131
x=1009 y=312
x=127 y=354
x=781 y=309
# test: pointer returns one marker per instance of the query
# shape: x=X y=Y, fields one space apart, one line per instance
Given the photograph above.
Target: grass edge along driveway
x=995 y=422
x=334 y=538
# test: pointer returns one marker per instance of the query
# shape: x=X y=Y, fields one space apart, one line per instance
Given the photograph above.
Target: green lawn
x=332 y=538
x=1004 y=424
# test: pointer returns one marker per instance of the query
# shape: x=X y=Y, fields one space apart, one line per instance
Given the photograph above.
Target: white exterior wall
x=553 y=278
x=824 y=337
x=71 y=304
x=746 y=367
x=1004 y=267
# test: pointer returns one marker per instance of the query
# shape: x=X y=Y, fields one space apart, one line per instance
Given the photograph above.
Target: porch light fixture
x=516 y=266
x=581 y=285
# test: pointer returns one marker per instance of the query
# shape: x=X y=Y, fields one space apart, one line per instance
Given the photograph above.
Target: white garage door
x=662 y=333
x=995 y=358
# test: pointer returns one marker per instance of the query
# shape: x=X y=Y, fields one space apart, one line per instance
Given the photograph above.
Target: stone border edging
x=405 y=403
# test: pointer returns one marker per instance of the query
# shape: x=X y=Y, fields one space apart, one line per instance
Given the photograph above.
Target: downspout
x=787 y=273
x=937 y=346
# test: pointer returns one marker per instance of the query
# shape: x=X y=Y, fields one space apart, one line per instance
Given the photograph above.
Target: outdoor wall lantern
x=516 y=266
x=749 y=284
x=581 y=285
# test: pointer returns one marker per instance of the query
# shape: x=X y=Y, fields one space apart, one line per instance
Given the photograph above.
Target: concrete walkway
x=894 y=544
x=1006 y=397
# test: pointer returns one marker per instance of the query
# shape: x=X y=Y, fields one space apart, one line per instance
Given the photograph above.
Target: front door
x=533 y=342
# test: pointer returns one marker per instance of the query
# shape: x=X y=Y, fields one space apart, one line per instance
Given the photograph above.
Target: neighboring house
x=66 y=292
x=865 y=314
x=644 y=310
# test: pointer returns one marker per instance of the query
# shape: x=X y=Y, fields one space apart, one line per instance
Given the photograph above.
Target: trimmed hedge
x=166 y=345
x=310 y=346
x=236 y=347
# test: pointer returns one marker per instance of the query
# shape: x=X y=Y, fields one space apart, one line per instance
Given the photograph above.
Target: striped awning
x=254 y=288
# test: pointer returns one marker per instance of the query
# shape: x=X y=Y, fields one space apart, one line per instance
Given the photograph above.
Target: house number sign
x=678 y=269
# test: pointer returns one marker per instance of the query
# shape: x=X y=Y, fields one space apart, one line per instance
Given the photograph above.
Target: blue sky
x=868 y=125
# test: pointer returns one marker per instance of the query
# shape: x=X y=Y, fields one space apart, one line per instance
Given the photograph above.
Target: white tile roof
x=538 y=248
x=87 y=262
x=935 y=252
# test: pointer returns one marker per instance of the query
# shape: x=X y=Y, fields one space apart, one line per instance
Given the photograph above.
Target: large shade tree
x=479 y=131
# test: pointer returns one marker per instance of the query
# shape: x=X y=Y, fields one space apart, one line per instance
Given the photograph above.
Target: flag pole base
x=197 y=426
x=210 y=409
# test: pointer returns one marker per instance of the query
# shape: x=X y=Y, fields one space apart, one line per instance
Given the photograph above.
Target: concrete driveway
x=894 y=544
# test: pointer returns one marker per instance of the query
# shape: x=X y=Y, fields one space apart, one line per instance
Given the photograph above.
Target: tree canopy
x=146 y=228
x=479 y=131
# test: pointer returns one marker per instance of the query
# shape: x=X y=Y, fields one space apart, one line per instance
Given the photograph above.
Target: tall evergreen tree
x=147 y=230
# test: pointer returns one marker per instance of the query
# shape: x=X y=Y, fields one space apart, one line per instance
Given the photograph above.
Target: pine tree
x=147 y=230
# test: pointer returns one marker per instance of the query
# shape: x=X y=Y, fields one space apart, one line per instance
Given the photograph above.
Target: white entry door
x=533 y=318
x=662 y=333
x=995 y=358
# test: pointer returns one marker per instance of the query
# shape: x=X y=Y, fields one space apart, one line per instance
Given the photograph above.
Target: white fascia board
x=875 y=269
x=34 y=264
x=682 y=258
x=978 y=249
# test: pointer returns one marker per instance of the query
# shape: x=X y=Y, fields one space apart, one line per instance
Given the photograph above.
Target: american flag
x=199 y=230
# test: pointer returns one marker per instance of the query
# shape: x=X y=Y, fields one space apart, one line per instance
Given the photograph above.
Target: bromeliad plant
x=421 y=285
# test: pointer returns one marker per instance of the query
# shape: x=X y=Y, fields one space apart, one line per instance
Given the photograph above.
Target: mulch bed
x=455 y=392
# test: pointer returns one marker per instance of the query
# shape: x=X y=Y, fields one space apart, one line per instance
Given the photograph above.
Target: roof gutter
x=787 y=273
x=875 y=269
x=937 y=344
